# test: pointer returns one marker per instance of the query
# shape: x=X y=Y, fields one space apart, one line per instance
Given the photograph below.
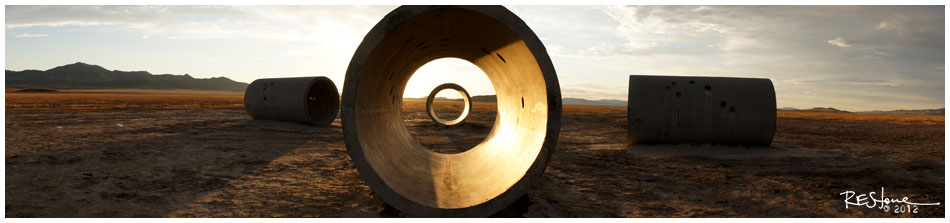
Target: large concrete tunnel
x=466 y=100
x=311 y=100
x=678 y=109
x=486 y=178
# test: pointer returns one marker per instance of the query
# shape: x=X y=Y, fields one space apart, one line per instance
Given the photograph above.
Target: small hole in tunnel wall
x=722 y=104
x=678 y=94
x=502 y=58
x=708 y=88
x=732 y=109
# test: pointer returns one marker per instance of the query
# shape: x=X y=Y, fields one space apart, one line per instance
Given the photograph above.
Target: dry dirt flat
x=187 y=154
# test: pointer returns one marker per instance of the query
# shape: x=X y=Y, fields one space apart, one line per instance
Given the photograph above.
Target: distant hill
x=937 y=111
x=36 y=90
x=88 y=76
x=485 y=98
x=822 y=109
x=604 y=102
x=788 y=109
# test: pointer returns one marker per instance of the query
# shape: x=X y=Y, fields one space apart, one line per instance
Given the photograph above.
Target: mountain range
x=87 y=76
x=935 y=111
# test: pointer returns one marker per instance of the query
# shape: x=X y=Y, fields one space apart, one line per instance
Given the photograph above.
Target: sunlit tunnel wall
x=466 y=100
x=679 y=109
x=486 y=178
x=310 y=100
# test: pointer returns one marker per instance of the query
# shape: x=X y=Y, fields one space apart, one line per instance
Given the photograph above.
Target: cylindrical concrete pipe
x=465 y=99
x=678 y=109
x=486 y=178
x=311 y=100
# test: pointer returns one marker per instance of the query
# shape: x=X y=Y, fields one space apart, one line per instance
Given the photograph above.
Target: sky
x=855 y=58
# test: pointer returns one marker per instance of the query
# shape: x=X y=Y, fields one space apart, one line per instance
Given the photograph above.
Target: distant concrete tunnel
x=452 y=122
x=311 y=100
x=676 y=109
x=486 y=178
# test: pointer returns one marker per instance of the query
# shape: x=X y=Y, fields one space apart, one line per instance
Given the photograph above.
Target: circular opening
x=448 y=106
x=493 y=173
x=466 y=105
x=323 y=101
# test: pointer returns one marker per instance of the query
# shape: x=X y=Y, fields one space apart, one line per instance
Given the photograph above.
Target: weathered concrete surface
x=311 y=100
x=676 y=109
x=466 y=99
x=486 y=178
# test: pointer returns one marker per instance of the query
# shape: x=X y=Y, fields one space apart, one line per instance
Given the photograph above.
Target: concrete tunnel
x=680 y=109
x=486 y=178
x=310 y=100
x=466 y=100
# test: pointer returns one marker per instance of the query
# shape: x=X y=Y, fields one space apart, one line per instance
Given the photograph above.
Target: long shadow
x=614 y=182
x=151 y=177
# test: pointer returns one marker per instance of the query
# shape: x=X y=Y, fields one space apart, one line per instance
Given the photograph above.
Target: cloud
x=841 y=42
x=27 y=35
x=325 y=32
x=272 y=23
x=885 y=26
x=594 y=91
x=893 y=50
x=925 y=24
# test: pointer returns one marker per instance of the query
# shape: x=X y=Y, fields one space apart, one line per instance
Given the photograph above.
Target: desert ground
x=132 y=153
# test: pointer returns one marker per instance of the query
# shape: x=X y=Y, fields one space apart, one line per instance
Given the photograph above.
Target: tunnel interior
x=323 y=101
x=480 y=174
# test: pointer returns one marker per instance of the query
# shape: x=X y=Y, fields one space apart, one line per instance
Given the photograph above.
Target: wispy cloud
x=27 y=35
x=335 y=29
x=840 y=41
x=594 y=91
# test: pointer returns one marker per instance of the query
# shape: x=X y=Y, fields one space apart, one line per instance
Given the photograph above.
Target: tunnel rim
x=553 y=98
x=335 y=101
x=466 y=100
